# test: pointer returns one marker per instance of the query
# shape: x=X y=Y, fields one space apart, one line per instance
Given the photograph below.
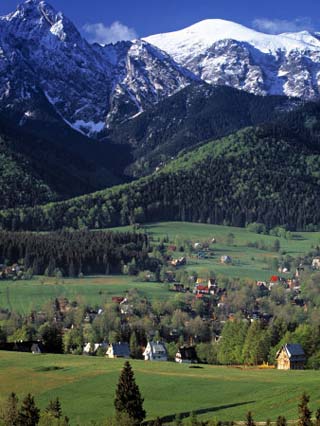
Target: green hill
x=267 y=174
x=86 y=387
x=198 y=113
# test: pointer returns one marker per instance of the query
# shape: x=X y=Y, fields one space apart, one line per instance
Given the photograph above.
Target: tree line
x=74 y=253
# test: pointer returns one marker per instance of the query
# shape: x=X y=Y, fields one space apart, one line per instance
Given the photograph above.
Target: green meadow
x=25 y=296
x=247 y=262
x=86 y=387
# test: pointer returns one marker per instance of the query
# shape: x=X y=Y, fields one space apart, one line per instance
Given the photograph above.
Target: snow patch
x=88 y=126
x=58 y=30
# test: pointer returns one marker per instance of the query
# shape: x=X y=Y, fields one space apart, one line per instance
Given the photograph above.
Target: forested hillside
x=194 y=115
x=44 y=159
x=267 y=174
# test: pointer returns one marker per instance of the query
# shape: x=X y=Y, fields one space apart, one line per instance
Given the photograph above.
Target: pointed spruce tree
x=9 y=415
x=54 y=408
x=29 y=413
x=304 y=411
x=281 y=421
x=317 y=422
x=249 y=419
x=128 y=398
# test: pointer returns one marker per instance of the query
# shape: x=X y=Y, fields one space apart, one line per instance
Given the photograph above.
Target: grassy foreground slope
x=265 y=174
x=86 y=387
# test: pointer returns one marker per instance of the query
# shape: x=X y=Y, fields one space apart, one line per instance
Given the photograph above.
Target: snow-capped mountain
x=44 y=59
x=226 y=53
x=42 y=54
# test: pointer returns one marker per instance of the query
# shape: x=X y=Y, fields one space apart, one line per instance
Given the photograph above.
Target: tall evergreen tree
x=134 y=346
x=128 y=398
x=304 y=411
x=29 y=413
x=54 y=408
x=281 y=421
x=317 y=422
x=9 y=415
x=249 y=419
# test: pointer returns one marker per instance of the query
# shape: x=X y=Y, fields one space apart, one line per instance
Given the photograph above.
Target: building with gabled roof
x=291 y=357
x=155 y=351
x=118 y=350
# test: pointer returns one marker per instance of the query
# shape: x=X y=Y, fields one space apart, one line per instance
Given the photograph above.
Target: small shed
x=316 y=263
x=186 y=355
x=155 y=351
x=291 y=357
x=118 y=350
x=225 y=260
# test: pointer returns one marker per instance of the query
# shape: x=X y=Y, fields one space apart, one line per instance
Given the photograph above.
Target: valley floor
x=247 y=262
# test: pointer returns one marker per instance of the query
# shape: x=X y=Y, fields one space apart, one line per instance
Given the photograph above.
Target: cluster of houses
x=154 y=351
x=181 y=261
x=13 y=272
x=289 y=357
x=208 y=287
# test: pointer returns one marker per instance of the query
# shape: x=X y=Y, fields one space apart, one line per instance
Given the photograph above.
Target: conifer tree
x=249 y=419
x=54 y=408
x=304 y=411
x=134 y=347
x=128 y=398
x=9 y=415
x=29 y=413
x=317 y=422
x=281 y=421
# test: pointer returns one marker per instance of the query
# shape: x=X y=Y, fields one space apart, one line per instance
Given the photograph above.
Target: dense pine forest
x=45 y=160
x=268 y=174
x=71 y=254
x=196 y=114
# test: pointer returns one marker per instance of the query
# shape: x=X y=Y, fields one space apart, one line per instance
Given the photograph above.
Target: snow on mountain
x=223 y=52
x=89 y=86
x=43 y=58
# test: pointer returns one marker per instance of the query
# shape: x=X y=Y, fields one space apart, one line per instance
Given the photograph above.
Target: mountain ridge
x=224 y=52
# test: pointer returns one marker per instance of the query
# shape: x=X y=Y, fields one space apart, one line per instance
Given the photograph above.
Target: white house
x=155 y=351
x=92 y=348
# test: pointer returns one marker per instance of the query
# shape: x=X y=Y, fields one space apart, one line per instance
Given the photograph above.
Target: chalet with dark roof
x=35 y=347
x=118 y=350
x=291 y=357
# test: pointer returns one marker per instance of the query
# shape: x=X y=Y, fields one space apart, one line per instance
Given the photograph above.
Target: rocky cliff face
x=90 y=86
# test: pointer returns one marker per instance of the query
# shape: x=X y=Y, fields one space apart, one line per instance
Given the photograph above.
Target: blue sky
x=107 y=20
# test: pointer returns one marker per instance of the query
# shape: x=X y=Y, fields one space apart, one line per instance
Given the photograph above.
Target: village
x=187 y=327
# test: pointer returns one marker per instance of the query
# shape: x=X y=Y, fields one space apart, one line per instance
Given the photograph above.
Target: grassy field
x=24 y=296
x=86 y=387
x=248 y=262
